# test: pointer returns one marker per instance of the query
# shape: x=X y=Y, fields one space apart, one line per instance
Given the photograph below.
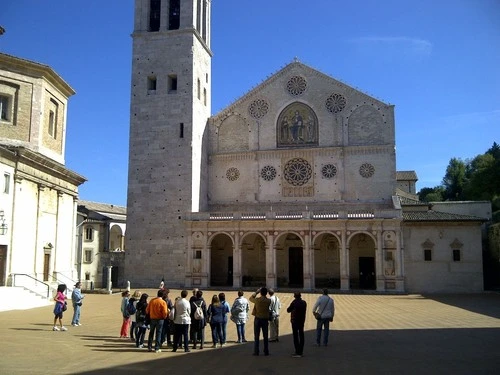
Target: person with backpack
x=132 y=309
x=125 y=314
x=198 y=319
x=239 y=315
x=140 y=318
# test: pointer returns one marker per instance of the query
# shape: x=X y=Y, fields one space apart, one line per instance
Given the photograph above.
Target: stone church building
x=294 y=185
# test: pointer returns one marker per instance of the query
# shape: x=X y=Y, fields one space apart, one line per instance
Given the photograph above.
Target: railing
x=34 y=285
x=63 y=279
x=304 y=215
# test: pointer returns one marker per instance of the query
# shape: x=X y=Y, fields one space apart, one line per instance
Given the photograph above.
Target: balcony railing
x=304 y=215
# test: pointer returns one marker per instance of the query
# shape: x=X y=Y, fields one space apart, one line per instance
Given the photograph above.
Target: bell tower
x=169 y=108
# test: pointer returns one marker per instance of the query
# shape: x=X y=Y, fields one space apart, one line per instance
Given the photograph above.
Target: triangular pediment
x=297 y=80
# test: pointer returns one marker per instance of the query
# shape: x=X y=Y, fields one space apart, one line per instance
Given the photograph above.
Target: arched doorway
x=221 y=260
x=290 y=261
x=326 y=249
x=253 y=260
x=116 y=238
x=362 y=273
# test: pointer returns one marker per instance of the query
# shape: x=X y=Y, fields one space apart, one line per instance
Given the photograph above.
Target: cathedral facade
x=294 y=185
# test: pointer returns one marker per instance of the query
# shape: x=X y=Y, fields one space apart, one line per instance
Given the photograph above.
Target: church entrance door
x=295 y=267
x=367 y=272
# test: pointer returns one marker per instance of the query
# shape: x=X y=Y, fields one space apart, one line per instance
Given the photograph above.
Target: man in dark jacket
x=298 y=317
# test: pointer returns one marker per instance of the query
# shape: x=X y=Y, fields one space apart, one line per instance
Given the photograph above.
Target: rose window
x=366 y=170
x=335 y=103
x=232 y=174
x=258 y=108
x=268 y=173
x=297 y=172
x=296 y=85
x=329 y=171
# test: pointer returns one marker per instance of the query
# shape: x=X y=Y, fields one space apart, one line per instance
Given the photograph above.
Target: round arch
x=326 y=248
x=362 y=272
x=221 y=259
x=289 y=260
x=253 y=259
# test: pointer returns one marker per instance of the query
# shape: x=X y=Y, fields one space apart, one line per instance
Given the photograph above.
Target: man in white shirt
x=324 y=311
x=182 y=320
x=274 y=324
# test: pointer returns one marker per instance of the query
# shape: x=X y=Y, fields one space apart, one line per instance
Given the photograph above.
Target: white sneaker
x=55 y=329
x=63 y=328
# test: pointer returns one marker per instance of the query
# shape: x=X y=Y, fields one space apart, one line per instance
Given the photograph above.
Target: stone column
x=344 y=262
x=307 y=268
x=237 y=260
x=399 y=266
x=109 y=286
x=270 y=260
x=379 y=263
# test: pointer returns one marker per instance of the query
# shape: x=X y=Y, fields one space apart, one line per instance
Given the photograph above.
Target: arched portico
x=362 y=261
x=221 y=260
x=289 y=260
x=327 y=254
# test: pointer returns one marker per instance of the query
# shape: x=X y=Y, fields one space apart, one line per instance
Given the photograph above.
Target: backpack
x=131 y=308
x=198 y=313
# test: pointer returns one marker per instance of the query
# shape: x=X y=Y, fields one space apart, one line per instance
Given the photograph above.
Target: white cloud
x=411 y=47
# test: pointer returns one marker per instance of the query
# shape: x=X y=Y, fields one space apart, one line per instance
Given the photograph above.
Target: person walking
x=297 y=310
x=274 y=322
x=157 y=310
x=77 y=301
x=198 y=322
x=59 y=308
x=215 y=317
x=324 y=311
x=182 y=320
x=225 y=310
x=140 y=318
x=261 y=321
x=239 y=315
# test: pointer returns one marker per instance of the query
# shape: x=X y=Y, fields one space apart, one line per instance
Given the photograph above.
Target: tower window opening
x=199 y=89
x=174 y=14
x=204 y=96
x=154 y=15
x=172 y=82
x=181 y=130
x=151 y=83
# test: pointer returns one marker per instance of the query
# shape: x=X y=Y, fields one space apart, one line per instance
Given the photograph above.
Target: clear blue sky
x=438 y=62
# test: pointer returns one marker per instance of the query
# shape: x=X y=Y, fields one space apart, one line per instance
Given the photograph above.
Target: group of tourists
x=182 y=322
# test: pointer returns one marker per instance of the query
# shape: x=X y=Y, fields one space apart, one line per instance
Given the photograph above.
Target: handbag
x=65 y=306
x=317 y=315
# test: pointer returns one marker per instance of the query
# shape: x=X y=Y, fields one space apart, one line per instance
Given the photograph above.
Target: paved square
x=372 y=334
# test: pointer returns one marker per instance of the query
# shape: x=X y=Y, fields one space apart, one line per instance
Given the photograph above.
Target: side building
x=38 y=193
x=101 y=243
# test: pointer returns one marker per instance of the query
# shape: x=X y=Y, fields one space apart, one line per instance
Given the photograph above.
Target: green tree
x=435 y=194
x=455 y=179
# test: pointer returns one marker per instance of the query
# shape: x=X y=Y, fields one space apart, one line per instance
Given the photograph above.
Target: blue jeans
x=224 y=331
x=139 y=335
x=216 y=333
x=76 y=314
x=258 y=325
x=319 y=327
x=155 y=328
x=240 y=329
